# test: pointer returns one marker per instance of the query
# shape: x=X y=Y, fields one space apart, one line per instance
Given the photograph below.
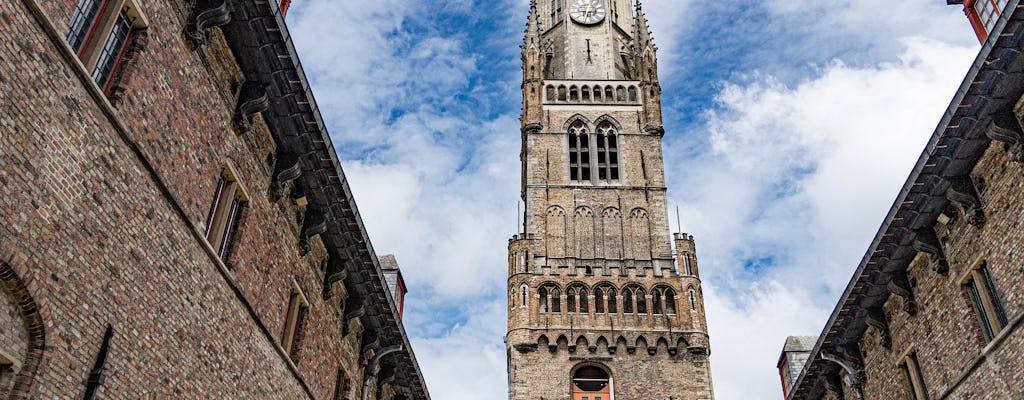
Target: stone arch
x=583 y=224
x=611 y=225
x=548 y=294
x=662 y=343
x=598 y=93
x=621 y=342
x=609 y=119
x=35 y=344
x=641 y=342
x=640 y=234
x=632 y=94
x=562 y=93
x=604 y=298
x=551 y=93
x=601 y=343
x=576 y=298
x=609 y=94
x=562 y=342
x=582 y=342
x=620 y=94
x=682 y=343
x=585 y=93
x=577 y=117
x=591 y=379
x=574 y=93
x=555 y=227
x=663 y=300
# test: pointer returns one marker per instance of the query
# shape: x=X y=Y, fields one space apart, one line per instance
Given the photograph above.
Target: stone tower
x=603 y=302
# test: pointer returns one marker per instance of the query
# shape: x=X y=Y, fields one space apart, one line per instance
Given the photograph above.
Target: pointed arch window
x=664 y=301
x=607 y=152
x=579 y=152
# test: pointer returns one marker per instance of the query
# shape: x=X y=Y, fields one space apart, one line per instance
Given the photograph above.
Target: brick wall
x=102 y=212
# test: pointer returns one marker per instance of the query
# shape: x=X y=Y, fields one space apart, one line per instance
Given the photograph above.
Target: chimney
x=794 y=356
x=393 y=275
x=284 y=7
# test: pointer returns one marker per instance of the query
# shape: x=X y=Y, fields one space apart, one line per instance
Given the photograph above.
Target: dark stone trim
x=16 y=289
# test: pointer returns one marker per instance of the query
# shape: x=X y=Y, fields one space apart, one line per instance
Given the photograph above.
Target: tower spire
x=641 y=30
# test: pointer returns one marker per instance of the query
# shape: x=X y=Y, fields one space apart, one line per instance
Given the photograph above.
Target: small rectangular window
x=341 y=385
x=221 y=222
x=986 y=301
x=915 y=379
x=112 y=52
x=83 y=22
x=294 y=321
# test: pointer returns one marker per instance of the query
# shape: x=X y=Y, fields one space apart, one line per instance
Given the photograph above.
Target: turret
x=533 y=70
x=645 y=61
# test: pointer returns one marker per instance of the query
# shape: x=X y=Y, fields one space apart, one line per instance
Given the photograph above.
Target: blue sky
x=791 y=126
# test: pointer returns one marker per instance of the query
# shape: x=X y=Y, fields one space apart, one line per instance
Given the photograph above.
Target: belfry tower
x=603 y=303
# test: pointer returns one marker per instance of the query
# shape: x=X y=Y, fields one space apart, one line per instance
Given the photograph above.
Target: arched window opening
x=584 y=301
x=586 y=93
x=591 y=383
x=670 y=301
x=574 y=94
x=556 y=300
x=579 y=152
x=687 y=266
x=627 y=301
x=562 y=92
x=523 y=291
x=638 y=295
x=550 y=90
x=620 y=94
x=599 y=300
x=632 y=94
x=597 y=94
x=609 y=94
x=607 y=152
x=693 y=302
x=656 y=303
x=571 y=297
x=544 y=299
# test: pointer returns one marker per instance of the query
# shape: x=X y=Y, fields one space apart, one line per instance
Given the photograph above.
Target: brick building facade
x=934 y=309
x=603 y=302
x=174 y=221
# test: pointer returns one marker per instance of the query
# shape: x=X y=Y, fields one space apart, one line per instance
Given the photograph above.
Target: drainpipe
x=373 y=367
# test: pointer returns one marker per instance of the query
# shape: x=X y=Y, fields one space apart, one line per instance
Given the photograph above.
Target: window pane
x=986 y=325
x=112 y=52
x=82 y=22
x=996 y=300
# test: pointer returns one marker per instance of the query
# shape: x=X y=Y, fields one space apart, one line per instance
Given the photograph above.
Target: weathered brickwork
x=603 y=302
x=962 y=209
x=103 y=208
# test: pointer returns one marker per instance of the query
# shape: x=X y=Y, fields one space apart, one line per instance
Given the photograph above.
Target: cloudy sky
x=791 y=125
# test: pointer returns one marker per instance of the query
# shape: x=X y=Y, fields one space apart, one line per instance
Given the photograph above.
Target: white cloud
x=794 y=173
x=802 y=177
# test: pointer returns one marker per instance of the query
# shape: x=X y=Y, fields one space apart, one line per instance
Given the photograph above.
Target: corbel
x=206 y=14
x=252 y=99
x=532 y=128
x=652 y=350
x=899 y=285
x=876 y=318
x=655 y=130
x=631 y=349
x=926 y=241
x=315 y=224
x=287 y=169
x=572 y=348
x=1006 y=128
x=672 y=351
x=525 y=347
x=854 y=375
x=961 y=191
x=371 y=340
x=337 y=271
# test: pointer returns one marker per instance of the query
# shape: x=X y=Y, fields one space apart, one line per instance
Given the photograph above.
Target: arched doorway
x=591 y=382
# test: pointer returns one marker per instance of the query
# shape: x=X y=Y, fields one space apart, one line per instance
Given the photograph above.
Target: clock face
x=587 y=12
